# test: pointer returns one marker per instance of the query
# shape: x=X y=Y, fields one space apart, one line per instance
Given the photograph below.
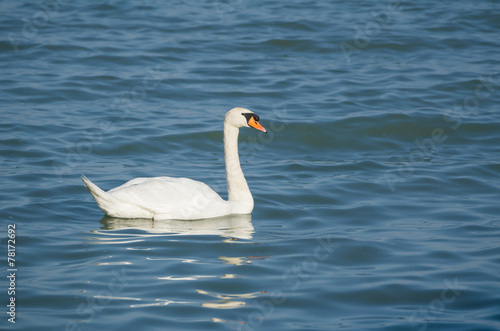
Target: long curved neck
x=237 y=187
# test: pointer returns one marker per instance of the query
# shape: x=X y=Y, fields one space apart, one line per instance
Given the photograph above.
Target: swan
x=168 y=198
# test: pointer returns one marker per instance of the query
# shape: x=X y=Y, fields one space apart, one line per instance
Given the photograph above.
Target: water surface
x=376 y=189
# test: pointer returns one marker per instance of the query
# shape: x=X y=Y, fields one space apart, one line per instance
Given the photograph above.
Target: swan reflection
x=231 y=226
x=227 y=301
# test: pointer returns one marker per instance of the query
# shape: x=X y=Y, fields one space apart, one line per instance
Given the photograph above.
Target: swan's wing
x=171 y=198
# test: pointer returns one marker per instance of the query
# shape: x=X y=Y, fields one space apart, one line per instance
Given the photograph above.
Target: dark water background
x=376 y=190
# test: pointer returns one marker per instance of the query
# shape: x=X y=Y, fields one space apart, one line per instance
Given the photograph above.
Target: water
x=376 y=190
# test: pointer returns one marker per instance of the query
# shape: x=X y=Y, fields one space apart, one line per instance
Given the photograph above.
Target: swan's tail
x=103 y=199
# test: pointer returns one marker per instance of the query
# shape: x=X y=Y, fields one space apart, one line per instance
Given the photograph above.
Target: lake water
x=377 y=188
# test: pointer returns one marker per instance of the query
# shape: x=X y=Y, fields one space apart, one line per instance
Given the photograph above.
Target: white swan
x=183 y=198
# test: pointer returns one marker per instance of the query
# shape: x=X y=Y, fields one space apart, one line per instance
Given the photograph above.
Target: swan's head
x=241 y=117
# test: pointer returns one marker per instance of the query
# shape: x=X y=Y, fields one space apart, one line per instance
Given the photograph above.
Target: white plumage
x=184 y=198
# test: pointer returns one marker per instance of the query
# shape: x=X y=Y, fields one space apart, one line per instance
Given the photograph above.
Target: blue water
x=376 y=189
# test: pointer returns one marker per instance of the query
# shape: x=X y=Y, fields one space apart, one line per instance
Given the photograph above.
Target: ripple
x=376 y=188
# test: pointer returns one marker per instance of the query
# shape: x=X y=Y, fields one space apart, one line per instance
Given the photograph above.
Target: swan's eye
x=249 y=116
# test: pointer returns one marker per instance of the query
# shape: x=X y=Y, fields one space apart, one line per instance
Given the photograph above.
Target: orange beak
x=254 y=124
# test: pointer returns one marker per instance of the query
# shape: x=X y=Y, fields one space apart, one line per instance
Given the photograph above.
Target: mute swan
x=183 y=198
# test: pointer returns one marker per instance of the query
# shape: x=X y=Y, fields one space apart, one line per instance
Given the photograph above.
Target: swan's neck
x=237 y=187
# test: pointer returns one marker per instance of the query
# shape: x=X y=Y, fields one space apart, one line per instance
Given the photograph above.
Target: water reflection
x=231 y=227
x=227 y=301
x=237 y=260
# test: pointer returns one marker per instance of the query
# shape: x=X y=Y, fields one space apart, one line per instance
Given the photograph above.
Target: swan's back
x=165 y=198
